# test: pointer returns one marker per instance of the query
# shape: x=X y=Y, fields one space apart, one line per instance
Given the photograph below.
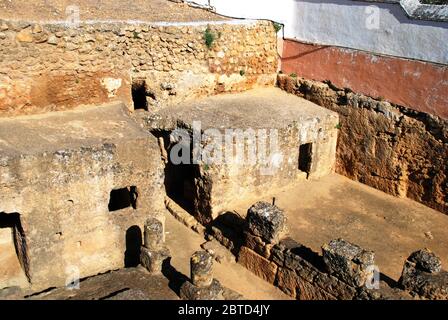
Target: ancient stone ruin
x=166 y=155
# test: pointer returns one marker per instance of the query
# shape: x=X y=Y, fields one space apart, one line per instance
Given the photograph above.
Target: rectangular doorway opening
x=306 y=158
x=139 y=95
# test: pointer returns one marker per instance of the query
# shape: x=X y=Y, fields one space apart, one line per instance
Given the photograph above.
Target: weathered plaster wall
x=422 y=86
x=53 y=67
x=344 y=23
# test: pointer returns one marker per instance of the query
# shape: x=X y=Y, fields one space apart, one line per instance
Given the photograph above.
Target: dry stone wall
x=344 y=271
x=51 y=67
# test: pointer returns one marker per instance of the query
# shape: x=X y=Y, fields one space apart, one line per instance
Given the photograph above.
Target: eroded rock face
x=392 y=148
x=348 y=262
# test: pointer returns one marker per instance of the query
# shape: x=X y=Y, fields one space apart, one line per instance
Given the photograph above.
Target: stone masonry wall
x=344 y=271
x=51 y=67
x=389 y=147
x=76 y=192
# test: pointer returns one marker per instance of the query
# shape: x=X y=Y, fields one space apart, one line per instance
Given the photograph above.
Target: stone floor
x=261 y=108
x=124 y=284
x=146 y=10
x=82 y=127
x=335 y=206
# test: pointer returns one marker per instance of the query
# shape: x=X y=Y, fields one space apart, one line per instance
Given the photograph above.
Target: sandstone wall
x=61 y=193
x=52 y=67
x=389 y=147
x=344 y=271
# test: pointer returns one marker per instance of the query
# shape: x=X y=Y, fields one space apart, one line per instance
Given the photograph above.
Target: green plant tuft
x=242 y=73
x=277 y=27
x=209 y=37
x=338 y=126
x=293 y=75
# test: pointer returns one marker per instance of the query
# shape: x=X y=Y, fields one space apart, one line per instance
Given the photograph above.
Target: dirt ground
x=337 y=207
x=145 y=10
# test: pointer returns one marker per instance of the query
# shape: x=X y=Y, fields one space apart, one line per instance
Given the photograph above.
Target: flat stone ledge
x=275 y=109
x=68 y=130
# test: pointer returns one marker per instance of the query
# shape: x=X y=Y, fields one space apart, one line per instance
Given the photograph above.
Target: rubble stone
x=266 y=221
x=418 y=276
x=348 y=262
x=153 y=234
x=426 y=261
x=153 y=260
x=201 y=264
x=121 y=51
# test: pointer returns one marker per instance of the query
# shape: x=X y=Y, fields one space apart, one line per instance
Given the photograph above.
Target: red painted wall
x=422 y=86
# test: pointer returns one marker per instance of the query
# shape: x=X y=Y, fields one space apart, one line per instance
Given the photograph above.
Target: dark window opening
x=12 y=221
x=134 y=242
x=305 y=158
x=123 y=198
x=180 y=184
x=139 y=95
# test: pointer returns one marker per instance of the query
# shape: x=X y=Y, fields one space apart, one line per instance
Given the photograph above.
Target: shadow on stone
x=228 y=229
x=176 y=279
x=133 y=244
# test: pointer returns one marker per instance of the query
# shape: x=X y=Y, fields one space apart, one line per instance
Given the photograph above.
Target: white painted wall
x=343 y=23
